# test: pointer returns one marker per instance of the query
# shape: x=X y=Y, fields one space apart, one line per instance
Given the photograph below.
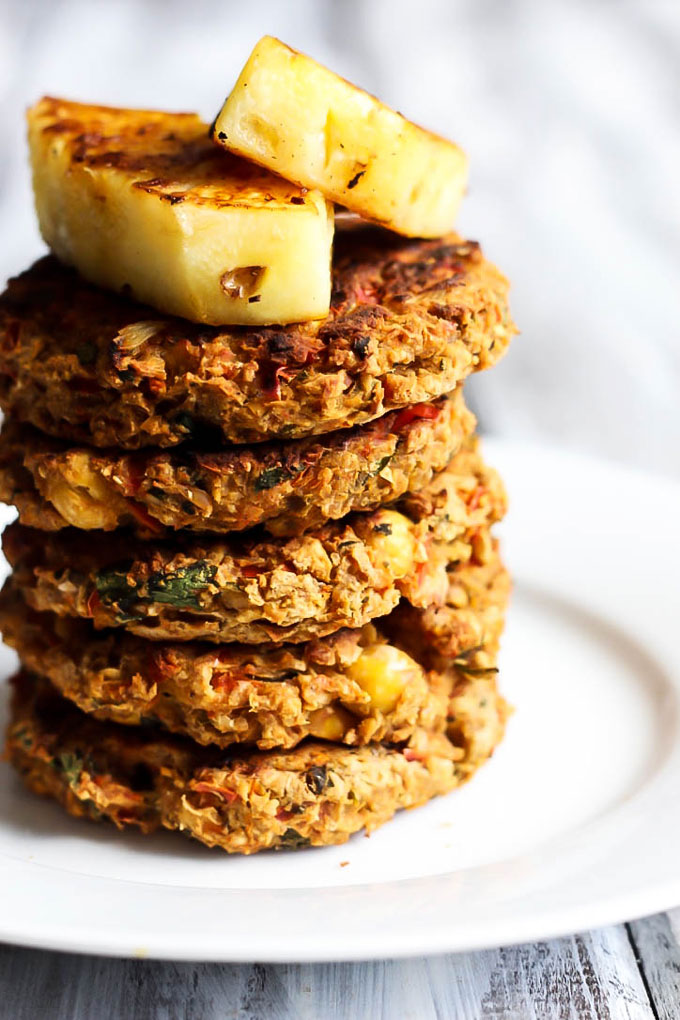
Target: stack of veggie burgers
x=255 y=590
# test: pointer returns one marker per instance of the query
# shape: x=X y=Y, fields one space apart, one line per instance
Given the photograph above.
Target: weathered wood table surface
x=630 y=971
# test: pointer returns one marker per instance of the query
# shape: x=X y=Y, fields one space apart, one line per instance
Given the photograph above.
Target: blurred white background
x=567 y=108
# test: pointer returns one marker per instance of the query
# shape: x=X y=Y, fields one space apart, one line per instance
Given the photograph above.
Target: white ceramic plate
x=574 y=824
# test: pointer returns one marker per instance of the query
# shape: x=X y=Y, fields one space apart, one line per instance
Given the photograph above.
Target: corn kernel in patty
x=393 y=536
x=383 y=672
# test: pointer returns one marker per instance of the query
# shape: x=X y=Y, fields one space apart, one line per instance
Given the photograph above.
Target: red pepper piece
x=424 y=412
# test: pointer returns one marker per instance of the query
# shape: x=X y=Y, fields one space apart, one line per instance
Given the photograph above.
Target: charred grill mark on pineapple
x=144 y=195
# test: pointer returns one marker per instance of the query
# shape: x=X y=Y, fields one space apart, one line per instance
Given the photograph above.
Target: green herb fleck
x=292 y=838
x=86 y=354
x=480 y=671
x=382 y=464
x=71 y=765
x=274 y=476
x=22 y=735
x=117 y=590
x=182 y=587
x=270 y=477
x=185 y=421
x=114 y=585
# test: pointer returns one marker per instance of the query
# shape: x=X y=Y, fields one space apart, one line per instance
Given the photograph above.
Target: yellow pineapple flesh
x=291 y=115
x=144 y=203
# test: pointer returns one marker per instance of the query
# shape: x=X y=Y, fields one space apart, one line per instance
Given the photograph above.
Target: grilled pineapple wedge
x=294 y=116
x=143 y=201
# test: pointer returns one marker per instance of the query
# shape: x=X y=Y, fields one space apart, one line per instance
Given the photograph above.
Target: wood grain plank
x=594 y=975
x=382 y=990
x=55 y=986
x=655 y=942
x=587 y=976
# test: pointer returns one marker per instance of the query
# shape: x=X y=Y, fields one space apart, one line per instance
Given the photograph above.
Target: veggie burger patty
x=316 y=794
x=354 y=686
x=343 y=575
x=409 y=320
x=289 y=487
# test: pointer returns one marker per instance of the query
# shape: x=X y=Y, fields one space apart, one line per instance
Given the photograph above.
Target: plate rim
x=541 y=922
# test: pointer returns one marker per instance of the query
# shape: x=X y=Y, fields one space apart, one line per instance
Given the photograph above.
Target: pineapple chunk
x=294 y=116
x=142 y=201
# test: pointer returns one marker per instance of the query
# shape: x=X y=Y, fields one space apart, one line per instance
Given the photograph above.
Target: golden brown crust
x=287 y=487
x=467 y=625
x=272 y=696
x=343 y=575
x=409 y=320
x=169 y=155
x=314 y=795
